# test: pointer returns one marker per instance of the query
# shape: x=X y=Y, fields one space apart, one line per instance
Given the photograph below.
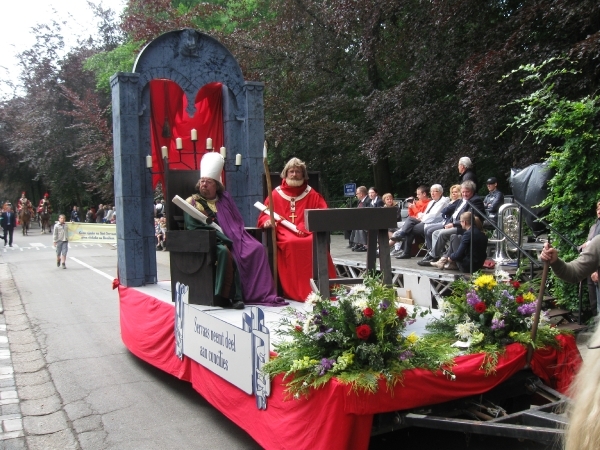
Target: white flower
x=545 y=317
x=444 y=306
x=465 y=330
x=308 y=327
x=311 y=301
x=360 y=302
x=359 y=289
x=502 y=275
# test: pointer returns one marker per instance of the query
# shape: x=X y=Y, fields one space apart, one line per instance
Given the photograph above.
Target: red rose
x=368 y=312
x=516 y=284
x=480 y=307
x=115 y=283
x=519 y=299
x=401 y=313
x=298 y=328
x=363 y=332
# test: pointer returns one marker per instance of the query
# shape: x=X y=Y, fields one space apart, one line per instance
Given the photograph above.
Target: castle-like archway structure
x=192 y=60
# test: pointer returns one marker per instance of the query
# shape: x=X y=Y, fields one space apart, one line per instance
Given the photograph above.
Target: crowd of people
x=448 y=226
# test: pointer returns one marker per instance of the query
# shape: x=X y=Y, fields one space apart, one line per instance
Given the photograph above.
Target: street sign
x=349 y=189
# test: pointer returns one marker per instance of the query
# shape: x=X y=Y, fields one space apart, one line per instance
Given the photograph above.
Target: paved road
x=76 y=386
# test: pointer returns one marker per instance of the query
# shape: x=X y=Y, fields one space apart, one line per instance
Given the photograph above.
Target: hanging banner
x=92 y=233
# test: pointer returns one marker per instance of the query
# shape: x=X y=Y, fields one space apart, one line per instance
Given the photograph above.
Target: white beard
x=294 y=183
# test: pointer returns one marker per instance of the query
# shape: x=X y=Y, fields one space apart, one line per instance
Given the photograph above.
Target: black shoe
x=425 y=261
x=237 y=305
x=428 y=258
x=403 y=256
x=362 y=248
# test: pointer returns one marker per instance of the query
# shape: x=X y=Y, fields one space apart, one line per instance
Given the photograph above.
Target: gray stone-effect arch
x=192 y=60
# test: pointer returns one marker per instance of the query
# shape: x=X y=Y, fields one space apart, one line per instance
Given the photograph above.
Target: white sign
x=235 y=354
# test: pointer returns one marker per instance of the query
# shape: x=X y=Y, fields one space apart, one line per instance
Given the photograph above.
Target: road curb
x=24 y=422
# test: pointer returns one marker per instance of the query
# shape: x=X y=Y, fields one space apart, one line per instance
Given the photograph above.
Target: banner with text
x=235 y=354
x=92 y=233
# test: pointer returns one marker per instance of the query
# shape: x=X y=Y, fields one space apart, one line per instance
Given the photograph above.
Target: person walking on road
x=61 y=241
x=9 y=220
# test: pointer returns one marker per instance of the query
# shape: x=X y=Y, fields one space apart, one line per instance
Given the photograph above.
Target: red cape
x=294 y=253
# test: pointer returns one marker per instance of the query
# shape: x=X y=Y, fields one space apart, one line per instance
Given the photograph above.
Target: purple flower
x=326 y=364
x=410 y=321
x=526 y=309
x=472 y=298
x=405 y=355
x=506 y=294
x=323 y=330
x=498 y=303
x=324 y=312
x=317 y=320
x=497 y=324
x=384 y=305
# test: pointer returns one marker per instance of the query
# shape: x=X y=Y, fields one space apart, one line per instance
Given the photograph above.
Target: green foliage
x=105 y=64
x=489 y=312
x=357 y=339
x=569 y=130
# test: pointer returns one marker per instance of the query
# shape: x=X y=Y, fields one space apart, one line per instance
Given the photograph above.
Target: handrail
x=509 y=239
x=564 y=239
x=543 y=222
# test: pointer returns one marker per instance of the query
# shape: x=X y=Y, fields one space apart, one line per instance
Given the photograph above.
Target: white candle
x=238 y=160
x=208 y=144
x=149 y=162
x=223 y=152
x=265 y=150
x=165 y=152
x=179 y=143
x=194 y=134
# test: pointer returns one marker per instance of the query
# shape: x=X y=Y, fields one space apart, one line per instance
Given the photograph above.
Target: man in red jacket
x=294 y=250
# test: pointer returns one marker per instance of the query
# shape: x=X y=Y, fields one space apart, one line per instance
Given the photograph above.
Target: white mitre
x=211 y=166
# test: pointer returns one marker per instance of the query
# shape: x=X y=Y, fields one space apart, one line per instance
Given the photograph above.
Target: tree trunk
x=383 y=177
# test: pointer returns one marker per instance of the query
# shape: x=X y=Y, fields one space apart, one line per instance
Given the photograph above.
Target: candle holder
x=181 y=151
x=165 y=163
x=229 y=167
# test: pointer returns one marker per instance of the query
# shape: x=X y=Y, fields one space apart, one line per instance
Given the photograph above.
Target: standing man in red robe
x=294 y=250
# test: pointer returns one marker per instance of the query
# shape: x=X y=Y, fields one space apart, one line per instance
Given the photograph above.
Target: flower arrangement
x=488 y=312
x=357 y=338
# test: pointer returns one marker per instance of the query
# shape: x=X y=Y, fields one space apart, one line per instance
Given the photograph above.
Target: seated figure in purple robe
x=242 y=274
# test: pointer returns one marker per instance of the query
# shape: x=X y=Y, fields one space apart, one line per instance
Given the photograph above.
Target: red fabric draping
x=169 y=102
x=148 y=331
x=333 y=417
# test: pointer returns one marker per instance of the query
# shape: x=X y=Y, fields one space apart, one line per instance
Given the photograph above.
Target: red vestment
x=294 y=253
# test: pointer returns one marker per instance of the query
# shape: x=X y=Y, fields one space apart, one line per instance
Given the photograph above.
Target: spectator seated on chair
x=459 y=256
x=415 y=226
x=441 y=236
x=358 y=238
x=492 y=202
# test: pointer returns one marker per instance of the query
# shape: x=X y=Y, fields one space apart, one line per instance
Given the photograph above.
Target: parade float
x=324 y=373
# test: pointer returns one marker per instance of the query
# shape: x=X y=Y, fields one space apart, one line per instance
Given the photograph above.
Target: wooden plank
x=191 y=241
x=385 y=261
x=320 y=241
x=333 y=281
x=349 y=219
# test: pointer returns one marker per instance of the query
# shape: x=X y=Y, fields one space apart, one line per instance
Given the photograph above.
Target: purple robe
x=251 y=258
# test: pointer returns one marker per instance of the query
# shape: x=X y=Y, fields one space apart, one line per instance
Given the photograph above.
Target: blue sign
x=349 y=189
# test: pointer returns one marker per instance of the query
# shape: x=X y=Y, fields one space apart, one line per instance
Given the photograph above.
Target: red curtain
x=169 y=116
